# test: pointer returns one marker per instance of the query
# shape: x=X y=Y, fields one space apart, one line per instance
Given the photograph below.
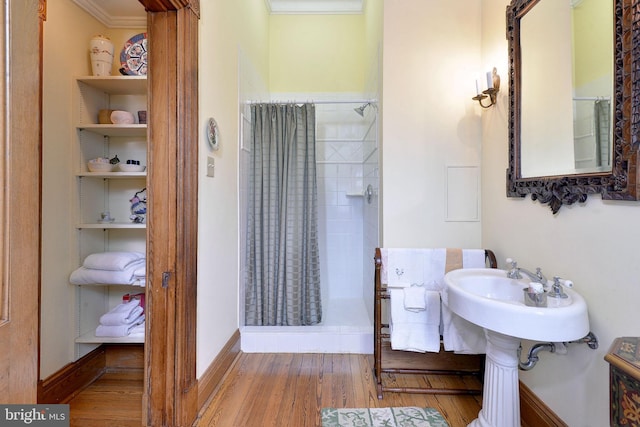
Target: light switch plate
x=210 y=166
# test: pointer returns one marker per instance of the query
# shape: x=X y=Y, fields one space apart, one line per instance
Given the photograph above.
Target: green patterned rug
x=382 y=417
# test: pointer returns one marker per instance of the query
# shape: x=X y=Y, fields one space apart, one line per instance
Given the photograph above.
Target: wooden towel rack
x=391 y=361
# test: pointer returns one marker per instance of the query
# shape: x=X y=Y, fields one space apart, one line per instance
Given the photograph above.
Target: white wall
x=226 y=28
x=431 y=60
x=594 y=244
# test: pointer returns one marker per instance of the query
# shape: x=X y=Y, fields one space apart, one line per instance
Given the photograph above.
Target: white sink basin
x=488 y=298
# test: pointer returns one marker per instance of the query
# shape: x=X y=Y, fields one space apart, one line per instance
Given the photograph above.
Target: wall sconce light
x=493 y=87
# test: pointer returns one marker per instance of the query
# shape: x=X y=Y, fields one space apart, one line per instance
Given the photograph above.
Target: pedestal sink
x=488 y=298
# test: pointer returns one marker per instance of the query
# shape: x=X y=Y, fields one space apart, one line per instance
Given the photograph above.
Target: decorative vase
x=101 y=52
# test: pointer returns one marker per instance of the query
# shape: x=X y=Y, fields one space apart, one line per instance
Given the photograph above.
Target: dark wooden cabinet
x=624 y=377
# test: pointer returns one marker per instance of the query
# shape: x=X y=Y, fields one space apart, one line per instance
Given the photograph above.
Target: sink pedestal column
x=501 y=393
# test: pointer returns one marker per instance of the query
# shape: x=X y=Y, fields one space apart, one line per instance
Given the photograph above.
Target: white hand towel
x=415 y=331
x=113 y=261
x=414 y=298
x=473 y=258
x=434 y=269
x=405 y=266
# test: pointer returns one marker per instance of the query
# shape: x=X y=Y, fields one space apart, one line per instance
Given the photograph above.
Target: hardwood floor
x=289 y=390
x=277 y=390
x=114 y=400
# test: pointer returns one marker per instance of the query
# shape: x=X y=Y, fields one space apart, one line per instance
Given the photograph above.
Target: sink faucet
x=516 y=273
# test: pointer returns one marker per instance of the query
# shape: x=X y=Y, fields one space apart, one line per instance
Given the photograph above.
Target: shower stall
x=347 y=162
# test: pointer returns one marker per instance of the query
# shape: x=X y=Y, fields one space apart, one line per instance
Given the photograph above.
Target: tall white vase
x=101 y=52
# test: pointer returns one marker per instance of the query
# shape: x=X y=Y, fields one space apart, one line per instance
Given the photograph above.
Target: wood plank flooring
x=275 y=390
x=289 y=390
x=114 y=400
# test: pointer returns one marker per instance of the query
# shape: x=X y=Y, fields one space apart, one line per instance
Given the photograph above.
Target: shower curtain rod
x=592 y=98
x=310 y=101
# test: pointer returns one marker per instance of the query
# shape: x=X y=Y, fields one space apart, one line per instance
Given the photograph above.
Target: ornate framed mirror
x=547 y=88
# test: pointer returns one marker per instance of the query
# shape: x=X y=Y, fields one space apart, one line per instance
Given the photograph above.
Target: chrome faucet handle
x=558 y=283
x=514 y=272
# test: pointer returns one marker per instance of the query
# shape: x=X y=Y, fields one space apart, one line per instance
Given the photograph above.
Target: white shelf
x=100 y=225
x=113 y=175
x=91 y=338
x=117 y=85
x=104 y=191
x=115 y=130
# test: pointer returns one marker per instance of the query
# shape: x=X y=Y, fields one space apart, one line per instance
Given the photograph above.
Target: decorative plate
x=133 y=57
x=213 y=136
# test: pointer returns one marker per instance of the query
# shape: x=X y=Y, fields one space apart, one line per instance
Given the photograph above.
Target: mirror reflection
x=567 y=87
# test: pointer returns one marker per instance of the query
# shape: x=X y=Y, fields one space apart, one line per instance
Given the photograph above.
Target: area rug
x=382 y=417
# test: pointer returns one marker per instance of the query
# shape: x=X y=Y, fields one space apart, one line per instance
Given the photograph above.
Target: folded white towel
x=141 y=271
x=414 y=298
x=415 y=331
x=113 y=261
x=119 y=330
x=122 y=314
x=88 y=276
x=137 y=330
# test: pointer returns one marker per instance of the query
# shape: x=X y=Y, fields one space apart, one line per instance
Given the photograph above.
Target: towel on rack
x=89 y=276
x=122 y=314
x=405 y=266
x=414 y=298
x=458 y=334
x=415 y=331
x=402 y=267
x=112 y=261
x=118 y=330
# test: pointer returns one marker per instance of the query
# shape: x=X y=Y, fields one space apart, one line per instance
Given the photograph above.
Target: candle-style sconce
x=493 y=87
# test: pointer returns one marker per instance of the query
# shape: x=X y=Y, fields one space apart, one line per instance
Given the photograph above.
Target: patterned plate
x=134 y=56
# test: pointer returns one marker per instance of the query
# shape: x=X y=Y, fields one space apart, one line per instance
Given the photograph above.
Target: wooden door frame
x=171 y=387
x=20 y=202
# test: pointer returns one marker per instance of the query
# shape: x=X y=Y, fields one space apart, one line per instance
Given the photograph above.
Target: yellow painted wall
x=593 y=41
x=317 y=53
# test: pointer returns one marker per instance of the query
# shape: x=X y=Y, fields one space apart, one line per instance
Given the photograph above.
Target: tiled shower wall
x=345 y=141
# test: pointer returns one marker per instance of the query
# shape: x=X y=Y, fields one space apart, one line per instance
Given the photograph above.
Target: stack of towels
x=125 y=319
x=111 y=268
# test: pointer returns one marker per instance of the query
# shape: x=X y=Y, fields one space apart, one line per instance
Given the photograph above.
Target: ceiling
x=116 y=13
x=131 y=14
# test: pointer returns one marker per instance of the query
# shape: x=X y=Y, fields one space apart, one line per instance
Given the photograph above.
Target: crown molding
x=320 y=7
x=116 y=14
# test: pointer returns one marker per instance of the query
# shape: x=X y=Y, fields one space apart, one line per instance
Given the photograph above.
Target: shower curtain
x=283 y=275
x=602 y=119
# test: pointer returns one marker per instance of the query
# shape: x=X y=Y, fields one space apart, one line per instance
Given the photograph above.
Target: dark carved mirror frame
x=622 y=183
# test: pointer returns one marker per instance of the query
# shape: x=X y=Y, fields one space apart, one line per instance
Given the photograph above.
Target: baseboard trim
x=63 y=385
x=66 y=383
x=210 y=381
x=534 y=412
